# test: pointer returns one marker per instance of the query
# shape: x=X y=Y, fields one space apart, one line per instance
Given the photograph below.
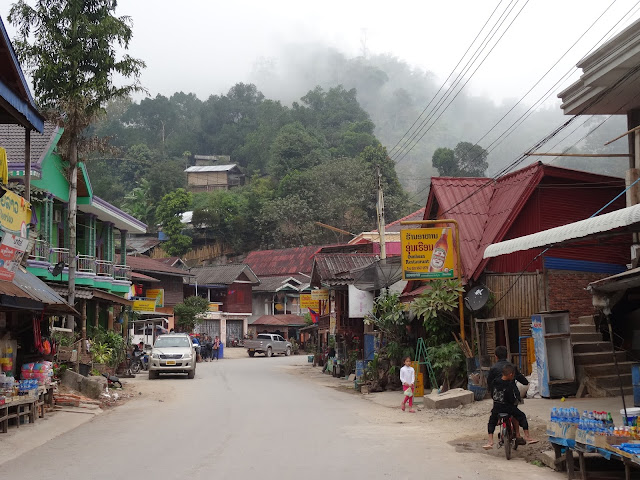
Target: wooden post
x=110 y=318
x=27 y=165
x=97 y=320
x=84 y=326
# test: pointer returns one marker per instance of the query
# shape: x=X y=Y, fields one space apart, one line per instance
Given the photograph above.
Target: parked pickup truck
x=269 y=344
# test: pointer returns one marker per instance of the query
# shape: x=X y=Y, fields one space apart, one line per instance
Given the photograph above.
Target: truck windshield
x=264 y=337
x=171 y=342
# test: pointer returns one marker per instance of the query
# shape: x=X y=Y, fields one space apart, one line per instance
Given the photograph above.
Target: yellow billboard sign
x=15 y=213
x=307 y=302
x=144 y=305
x=320 y=294
x=214 y=307
x=158 y=294
x=427 y=253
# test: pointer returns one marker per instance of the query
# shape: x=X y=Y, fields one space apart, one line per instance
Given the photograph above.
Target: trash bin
x=221 y=351
x=84 y=369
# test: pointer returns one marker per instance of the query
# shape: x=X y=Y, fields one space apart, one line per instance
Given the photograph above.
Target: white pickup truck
x=269 y=344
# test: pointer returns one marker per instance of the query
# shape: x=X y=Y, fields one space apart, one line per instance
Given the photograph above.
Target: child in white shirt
x=407 y=377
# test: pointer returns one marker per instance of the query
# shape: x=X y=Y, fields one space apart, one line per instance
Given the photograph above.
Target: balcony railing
x=104 y=268
x=86 y=264
x=122 y=272
x=58 y=255
x=40 y=251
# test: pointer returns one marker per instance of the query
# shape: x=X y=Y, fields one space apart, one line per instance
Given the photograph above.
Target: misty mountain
x=394 y=95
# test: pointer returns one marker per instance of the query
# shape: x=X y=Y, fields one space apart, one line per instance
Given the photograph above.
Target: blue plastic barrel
x=221 y=352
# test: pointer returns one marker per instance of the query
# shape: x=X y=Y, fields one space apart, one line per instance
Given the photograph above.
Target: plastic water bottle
x=554 y=414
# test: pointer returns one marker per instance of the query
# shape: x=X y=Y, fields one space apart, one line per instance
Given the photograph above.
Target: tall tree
x=466 y=160
x=69 y=48
x=169 y=214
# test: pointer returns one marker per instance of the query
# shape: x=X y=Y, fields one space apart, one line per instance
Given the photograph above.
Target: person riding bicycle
x=505 y=400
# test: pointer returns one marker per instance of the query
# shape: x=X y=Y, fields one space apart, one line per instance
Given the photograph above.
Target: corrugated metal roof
x=485 y=209
x=224 y=274
x=277 y=320
x=211 y=168
x=396 y=227
x=336 y=268
x=27 y=285
x=146 y=264
x=278 y=282
x=142 y=243
x=603 y=223
x=282 y=262
x=142 y=277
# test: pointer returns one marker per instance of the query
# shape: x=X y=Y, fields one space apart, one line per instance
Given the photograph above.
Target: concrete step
x=597 y=358
x=612 y=382
x=585 y=337
x=580 y=328
x=587 y=320
x=591 y=347
x=604 y=369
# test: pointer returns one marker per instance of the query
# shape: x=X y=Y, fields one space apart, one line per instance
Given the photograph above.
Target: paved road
x=252 y=418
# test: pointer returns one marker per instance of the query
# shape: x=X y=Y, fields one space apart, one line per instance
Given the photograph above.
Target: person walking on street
x=408 y=377
x=216 y=348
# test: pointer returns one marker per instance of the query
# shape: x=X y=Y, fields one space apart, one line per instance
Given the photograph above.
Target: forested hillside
x=308 y=135
x=314 y=161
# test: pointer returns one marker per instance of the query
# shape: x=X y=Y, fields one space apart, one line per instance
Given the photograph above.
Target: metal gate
x=234 y=330
x=209 y=327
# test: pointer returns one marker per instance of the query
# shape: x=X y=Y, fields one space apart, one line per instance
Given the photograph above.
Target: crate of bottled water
x=564 y=423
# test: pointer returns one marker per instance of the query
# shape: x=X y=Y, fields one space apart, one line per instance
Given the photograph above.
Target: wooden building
x=207 y=178
x=228 y=289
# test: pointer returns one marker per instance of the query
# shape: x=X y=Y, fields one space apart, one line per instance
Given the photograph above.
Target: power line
x=528 y=113
x=422 y=130
x=447 y=79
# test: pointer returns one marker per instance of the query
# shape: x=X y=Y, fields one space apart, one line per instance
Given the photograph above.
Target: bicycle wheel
x=507 y=436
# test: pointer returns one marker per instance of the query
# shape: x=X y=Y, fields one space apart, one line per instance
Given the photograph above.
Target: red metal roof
x=287 y=261
x=396 y=227
x=485 y=209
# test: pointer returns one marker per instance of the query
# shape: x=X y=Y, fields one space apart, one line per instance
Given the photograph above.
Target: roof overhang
x=584 y=229
x=108 y=213
x=608 y=65
x=616 y=283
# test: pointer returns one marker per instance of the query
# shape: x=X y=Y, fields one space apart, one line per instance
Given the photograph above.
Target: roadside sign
x=427 y=254
x=307 y=302
x=320 y=294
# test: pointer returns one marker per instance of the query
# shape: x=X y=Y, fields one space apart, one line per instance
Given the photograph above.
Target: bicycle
x=506 y=434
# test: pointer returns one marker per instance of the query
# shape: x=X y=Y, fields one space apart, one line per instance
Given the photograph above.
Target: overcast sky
x=205 y=46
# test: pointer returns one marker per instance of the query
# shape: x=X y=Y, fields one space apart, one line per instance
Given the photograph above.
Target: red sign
x=11 y=251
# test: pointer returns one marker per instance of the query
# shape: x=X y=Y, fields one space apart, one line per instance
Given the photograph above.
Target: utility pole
x=380 y=210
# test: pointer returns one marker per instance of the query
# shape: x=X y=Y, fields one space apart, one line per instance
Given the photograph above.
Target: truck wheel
x=269 y=352
x=288 y=352
x=251 y=354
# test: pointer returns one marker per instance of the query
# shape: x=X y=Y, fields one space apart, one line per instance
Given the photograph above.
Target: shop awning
x=91 y=293
x=26 y=291
x=577 y=230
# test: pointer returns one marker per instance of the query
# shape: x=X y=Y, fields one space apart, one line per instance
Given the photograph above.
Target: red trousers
x=406 y=397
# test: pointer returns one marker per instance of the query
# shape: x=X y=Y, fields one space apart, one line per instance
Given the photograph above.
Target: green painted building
x=99 y=224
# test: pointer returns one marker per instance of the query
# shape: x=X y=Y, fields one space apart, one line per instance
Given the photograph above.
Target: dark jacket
x=496 y=373
x=505 y=392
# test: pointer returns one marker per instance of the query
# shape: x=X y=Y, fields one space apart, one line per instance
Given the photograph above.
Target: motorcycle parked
x=139 y=362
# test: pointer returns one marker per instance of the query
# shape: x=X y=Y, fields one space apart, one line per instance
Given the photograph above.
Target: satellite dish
x=477 y=298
